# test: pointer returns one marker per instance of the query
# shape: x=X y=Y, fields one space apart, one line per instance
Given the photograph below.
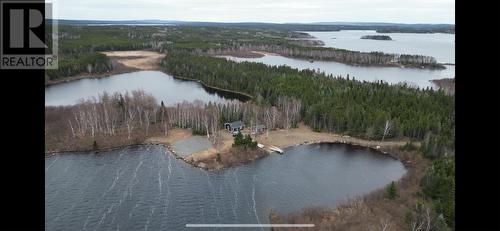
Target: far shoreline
x=123 y=68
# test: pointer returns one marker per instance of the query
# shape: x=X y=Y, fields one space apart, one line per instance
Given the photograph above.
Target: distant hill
x=111 y=22
x=318 y=26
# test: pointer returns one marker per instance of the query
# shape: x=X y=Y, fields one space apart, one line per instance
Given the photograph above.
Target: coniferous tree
x=391 y=191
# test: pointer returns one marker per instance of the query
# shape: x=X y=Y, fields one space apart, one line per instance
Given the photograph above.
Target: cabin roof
x=235 y=124
x=259 y=126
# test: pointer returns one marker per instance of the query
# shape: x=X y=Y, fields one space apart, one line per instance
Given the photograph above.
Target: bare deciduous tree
x=387 y=128
x=385 y=225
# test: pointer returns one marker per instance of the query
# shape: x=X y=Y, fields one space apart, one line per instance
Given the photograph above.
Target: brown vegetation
x=447 y=85
x=110 y=121
x=235 y=156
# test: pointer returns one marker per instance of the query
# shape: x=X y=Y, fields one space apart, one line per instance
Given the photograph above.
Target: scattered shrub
x=244 y=141
x=95 y=146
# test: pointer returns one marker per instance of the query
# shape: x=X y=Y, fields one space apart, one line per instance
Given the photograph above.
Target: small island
x=376 y=37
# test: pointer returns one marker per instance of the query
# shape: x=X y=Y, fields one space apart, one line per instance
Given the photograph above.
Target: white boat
x=276 y=149
x=260 y=145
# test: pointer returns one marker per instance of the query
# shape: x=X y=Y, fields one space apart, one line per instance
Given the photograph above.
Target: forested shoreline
x=79 y=46
x=334 y=54
x=332 y=103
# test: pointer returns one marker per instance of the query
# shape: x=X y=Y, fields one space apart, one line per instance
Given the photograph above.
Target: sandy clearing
x=304 y=134
x=141 y=60
x=138 y=53
x=265 y=53
x=174 y=135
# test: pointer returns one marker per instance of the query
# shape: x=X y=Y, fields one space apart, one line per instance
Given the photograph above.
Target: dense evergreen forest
x=80 y=63
x=438 y=184
x=330 y=103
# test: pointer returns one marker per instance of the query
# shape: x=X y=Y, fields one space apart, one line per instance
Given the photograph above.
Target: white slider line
x=249 y=225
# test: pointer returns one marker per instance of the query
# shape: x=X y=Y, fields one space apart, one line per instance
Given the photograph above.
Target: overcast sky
x=280 y=11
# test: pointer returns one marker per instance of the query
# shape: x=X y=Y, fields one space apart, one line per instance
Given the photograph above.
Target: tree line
x=371 y=110
x=438 y=184
x=81 y=63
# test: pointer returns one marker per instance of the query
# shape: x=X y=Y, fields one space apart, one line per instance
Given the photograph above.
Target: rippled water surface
x=146 y=188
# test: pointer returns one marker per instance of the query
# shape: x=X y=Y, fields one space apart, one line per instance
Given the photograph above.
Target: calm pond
x=392 y=75
x=438 y=45
x=146 y=188
x=162 y=86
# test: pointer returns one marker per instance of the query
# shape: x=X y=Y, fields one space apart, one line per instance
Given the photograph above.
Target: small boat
x=260 y=145
x=311 y=61
x=276 y=149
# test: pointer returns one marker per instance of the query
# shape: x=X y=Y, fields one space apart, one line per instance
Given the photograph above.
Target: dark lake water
x=162 y=86
x=146 y=188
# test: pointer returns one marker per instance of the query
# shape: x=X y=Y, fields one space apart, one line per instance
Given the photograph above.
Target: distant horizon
x=263 y=22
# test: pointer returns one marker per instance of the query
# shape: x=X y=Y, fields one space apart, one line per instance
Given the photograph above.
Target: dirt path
x=303 y=134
